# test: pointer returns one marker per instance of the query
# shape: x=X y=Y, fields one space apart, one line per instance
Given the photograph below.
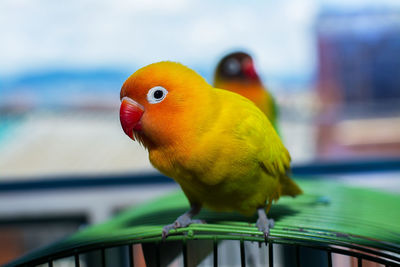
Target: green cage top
x=337 y=218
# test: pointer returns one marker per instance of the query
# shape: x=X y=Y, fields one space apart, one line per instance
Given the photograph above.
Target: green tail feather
x=289 y=187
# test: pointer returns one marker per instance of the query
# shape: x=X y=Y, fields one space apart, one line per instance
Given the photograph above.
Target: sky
x=84 y=34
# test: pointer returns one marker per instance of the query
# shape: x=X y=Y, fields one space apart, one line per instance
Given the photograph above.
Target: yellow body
x=217 y=145
x=254 y=91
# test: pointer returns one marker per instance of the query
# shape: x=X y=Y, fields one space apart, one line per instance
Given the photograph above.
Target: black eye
x=156 y=94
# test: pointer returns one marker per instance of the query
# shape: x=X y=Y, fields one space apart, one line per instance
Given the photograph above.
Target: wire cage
x=332 y=224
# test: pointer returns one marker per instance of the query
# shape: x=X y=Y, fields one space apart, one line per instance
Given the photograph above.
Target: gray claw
x=166 y=229
x=263 y=223
x=179 y=223
x=183 y=220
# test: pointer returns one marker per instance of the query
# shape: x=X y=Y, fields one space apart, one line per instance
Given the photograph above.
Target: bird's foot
x=263 y=223
x=182 y=221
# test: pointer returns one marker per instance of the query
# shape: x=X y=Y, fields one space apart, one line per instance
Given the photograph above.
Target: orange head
x=158 y=101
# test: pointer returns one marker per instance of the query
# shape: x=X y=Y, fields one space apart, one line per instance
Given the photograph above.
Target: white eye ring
x=156 y=94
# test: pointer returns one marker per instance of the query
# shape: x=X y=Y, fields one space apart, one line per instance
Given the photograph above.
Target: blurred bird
x=217 y=145
x=236 y=72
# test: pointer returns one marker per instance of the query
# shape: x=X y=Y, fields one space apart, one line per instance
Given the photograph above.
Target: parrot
x=236 y=72
x=217 y=145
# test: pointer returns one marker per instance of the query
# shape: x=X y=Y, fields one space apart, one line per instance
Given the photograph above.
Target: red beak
x=130 y=114
x=249 y=70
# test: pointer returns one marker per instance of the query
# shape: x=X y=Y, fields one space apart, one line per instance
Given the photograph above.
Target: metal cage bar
x=242 y=254
x=390 y=260
x=215 y=252
x=131 y=256
x=77 y=263
x=184 y=253
x=270 y=255
x=297 y=256
x=103 y=257
x=329 y=256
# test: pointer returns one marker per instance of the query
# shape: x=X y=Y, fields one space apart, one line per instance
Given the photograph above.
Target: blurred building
x=358 y=83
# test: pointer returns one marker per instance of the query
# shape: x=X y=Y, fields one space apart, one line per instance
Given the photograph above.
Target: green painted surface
x=328 y=213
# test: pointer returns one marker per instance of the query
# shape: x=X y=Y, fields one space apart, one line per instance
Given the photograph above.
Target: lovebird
x=236 y=72
x=217 y=145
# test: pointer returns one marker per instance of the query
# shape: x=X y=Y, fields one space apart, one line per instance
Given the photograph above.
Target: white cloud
x=75 y=33
x=89 y=33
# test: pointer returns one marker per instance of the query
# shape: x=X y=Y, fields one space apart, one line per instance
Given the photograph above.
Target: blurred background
x=332 y=66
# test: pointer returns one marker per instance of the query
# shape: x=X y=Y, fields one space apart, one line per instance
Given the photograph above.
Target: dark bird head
x=236 y=66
